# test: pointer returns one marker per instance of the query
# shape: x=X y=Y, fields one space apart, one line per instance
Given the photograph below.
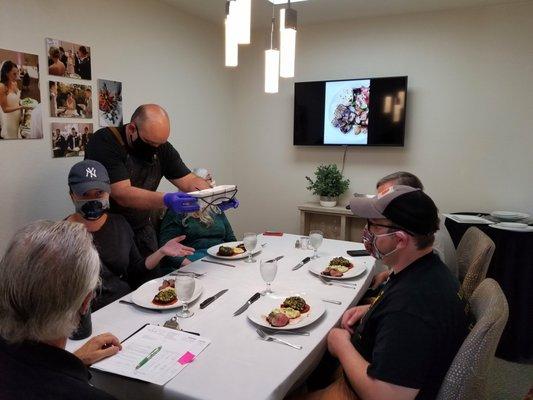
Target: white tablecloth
x=237 y=364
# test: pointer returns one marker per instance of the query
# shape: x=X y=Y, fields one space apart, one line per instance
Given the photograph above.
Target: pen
x=134 y=333
x=148 y=357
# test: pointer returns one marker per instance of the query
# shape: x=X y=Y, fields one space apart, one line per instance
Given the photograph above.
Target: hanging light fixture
x=272 y=61
x=243 y=13
x=287 y=45
x=231 y=45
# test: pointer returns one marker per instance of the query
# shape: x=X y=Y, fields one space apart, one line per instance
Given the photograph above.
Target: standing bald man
x=136 y=156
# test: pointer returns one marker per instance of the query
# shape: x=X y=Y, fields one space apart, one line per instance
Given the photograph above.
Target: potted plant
x=328 y=184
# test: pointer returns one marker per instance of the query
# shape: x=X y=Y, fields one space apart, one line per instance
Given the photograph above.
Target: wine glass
x=184 y=285
x=315 y=240
x=268 y=272
x=250 y=242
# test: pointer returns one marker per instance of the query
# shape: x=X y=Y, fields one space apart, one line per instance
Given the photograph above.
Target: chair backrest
x=474 y=253
x=466 y=378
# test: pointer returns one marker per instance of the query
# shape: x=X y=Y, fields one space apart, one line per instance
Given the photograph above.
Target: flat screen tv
x=353 y=112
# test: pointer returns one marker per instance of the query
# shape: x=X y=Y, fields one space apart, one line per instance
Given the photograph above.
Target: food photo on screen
x=346 y=112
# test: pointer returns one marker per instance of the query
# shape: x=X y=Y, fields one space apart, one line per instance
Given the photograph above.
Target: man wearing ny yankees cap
x=400 y=346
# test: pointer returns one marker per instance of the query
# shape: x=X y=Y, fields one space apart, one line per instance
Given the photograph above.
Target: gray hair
x=46 y=273
x=402 y=178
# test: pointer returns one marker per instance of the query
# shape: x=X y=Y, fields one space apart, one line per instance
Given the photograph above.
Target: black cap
x=87 y=175
x=405 y=206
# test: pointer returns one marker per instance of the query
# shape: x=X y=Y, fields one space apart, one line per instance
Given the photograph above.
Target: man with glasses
x=137 y=156
x=400 y=346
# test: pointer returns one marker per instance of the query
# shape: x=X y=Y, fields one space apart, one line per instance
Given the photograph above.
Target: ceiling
x=317 y=11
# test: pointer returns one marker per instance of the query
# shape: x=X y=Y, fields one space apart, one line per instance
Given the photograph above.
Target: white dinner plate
x=213 y=250
x=144 y=295
x=468 y=219
x=509 y=215
x=318 y=265
x=258 y=311
x=515 y=227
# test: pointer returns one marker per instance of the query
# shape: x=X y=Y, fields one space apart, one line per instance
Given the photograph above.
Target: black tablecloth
x=512 y=267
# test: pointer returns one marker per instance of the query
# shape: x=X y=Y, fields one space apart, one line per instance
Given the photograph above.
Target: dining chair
x=474 y=253
x=466 y=378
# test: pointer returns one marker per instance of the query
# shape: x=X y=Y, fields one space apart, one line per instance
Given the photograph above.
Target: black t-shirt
x=37 y=371
x=122 y=266
x=104 y=148
x=414 y=329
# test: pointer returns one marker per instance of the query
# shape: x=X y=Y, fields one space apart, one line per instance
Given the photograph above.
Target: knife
x=209 y=300
x=275 y=259
x=137 y=306
x=247 y=304
x=301 y=263
x=219 y=263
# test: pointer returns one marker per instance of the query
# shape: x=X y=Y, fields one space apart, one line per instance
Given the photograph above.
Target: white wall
x=160 y=55
x=469 y=105
x=469 y=131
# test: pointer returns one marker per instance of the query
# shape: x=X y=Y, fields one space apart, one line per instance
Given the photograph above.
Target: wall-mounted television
x=353 y=112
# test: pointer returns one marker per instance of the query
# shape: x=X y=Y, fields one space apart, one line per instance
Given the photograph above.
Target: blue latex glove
x=180 y=202
x=226 y=205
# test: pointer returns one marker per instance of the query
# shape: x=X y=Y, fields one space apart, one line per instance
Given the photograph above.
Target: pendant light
x=272 y=61
x=243 y=13
x=231 y=45
x=287 y=46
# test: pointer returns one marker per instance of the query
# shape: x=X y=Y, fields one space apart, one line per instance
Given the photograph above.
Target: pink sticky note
x=186 y=358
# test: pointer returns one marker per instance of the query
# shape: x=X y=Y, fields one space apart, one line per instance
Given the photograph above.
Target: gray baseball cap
x=87 y=175
x=406 y=206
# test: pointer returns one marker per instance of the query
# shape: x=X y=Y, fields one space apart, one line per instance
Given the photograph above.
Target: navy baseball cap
x=407 y=207
x=87 y=175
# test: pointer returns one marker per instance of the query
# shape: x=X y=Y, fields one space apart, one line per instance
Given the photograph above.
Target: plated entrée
x=227 y=251
x=290 y=311
x=340 y=268
x=167 y=294
x=231 y=250
x=337 y=267
x=160 y=294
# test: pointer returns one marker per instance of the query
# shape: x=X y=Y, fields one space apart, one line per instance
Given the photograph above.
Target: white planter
x=326 y=201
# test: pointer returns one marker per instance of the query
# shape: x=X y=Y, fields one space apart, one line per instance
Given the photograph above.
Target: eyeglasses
x=396 y=228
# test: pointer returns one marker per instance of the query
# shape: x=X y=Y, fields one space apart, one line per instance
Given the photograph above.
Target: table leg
x=303 y=221
x=343 y=228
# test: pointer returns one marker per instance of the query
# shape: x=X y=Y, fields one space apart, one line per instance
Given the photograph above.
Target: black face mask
x=143 y=150
x=91 y=209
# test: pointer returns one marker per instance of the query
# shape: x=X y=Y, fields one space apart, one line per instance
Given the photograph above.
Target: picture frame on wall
x=109 y=103
x=20 y=96
x=67 y=59
x=70 y=100
x=69 y=139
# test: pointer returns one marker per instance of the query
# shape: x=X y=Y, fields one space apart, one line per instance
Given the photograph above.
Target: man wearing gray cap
x=400 y=346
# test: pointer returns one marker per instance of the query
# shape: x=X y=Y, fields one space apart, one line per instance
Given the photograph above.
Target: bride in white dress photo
x=10 y=108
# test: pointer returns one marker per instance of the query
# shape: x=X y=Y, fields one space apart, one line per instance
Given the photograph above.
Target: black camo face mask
x=91 y=209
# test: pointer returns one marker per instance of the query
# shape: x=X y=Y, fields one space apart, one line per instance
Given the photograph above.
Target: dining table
x=238 y=364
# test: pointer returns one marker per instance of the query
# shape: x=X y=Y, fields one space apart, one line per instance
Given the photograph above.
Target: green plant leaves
x=328 y=181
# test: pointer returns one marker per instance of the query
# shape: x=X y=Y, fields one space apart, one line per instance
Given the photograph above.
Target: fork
x=347 y=285
x=267 y=338
x=196 y=274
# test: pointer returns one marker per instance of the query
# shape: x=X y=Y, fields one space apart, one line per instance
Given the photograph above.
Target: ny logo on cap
x=90 y=172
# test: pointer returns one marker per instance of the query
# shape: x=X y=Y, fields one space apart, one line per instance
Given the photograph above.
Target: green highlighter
x=148 y=357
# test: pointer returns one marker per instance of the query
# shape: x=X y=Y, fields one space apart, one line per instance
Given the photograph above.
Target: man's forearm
x=355 y=366
x=190 y=183
x=366 y=387
x=138 y=198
